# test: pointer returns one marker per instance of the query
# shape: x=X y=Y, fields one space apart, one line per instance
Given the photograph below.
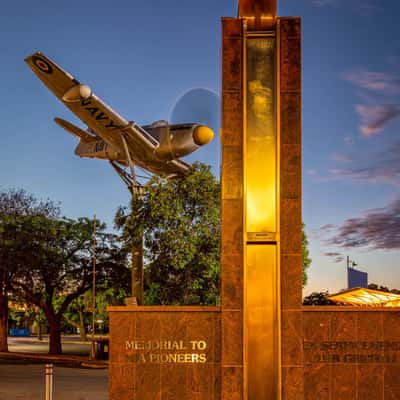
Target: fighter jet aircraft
x=155 y=148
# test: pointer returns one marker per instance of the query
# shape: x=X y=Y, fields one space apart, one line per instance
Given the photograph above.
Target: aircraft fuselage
x=99 y=149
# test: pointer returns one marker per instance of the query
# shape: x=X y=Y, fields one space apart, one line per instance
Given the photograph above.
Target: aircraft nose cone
x=202 y=135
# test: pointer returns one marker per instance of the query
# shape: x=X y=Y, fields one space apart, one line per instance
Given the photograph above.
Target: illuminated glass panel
x=261 y=138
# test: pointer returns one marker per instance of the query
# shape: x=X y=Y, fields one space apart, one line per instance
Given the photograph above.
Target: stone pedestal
x=165 y=353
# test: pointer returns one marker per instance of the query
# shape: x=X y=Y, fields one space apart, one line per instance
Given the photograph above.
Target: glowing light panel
x=261 y=138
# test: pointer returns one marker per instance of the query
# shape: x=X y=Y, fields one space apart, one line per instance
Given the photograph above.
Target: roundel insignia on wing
x=43 y=65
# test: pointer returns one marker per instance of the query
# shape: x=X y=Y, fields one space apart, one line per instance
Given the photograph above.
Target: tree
x=15 y=205
x=180 y=222
x=318 y=299
x=306 y=260
x=79 y=312
x=59 y=269
x=108 y=295
x=374 y=286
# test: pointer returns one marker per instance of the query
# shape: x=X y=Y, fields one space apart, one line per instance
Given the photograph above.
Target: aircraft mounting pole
x=137 y=248
x=137 y=253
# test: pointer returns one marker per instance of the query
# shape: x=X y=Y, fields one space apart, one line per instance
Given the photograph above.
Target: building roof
x=362 y=297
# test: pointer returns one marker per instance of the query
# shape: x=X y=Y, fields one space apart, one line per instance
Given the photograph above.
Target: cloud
x=322 y=232
x=363 y=7
x=375 y=117
x=379 y=91
x=377 y=229
x=383 y=166
x=342 y=158
x=337 y=257
x=348 y=140
x=323 y=3
x=312 y=172
x=375 y=81
x=327 y=227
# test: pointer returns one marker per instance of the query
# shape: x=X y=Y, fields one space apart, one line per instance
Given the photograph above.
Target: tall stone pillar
x=289 y=32
x=232 y=259
x=261 y=206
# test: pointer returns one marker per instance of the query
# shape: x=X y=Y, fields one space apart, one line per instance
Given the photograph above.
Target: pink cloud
x=377 y=229
x=375 y=117
x=363 y=7
x=382 y=167
x=342 y=158
x=376 y=81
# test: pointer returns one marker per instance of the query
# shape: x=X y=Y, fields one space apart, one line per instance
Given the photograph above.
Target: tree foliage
x=306 y=260
x=79 y=313
x=15 y=207
x=47 y=259
x=318 y=299
x=59 y=270
x=180 y=222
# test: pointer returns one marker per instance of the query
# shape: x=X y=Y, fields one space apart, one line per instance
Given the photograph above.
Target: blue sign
x=356 y=278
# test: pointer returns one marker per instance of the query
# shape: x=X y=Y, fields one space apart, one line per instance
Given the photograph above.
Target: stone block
x=290 y=118
x=391 y=326
x=148 y=382
x=232 y=281
x=292 y=338
x=316 y=382
x=291 y=226
x=173 y=384
x=290 y=176
x=291 y=281
x=232 y=173
x=292 y=383
x=232 y=227
x=369 y=382
x=232 y=338
x=232 y=383
x=370 y=326
x=231 y=64
x=392 y=382
x=316 y=326
x=343 y=326
x=232 y=117
x=342 y=382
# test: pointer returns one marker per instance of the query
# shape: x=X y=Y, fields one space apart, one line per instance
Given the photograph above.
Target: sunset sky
x=142 y=57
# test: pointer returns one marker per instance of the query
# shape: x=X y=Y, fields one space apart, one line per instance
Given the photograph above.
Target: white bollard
x=49 y=381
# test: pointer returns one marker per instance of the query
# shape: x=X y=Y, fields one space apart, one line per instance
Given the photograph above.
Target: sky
x=142 y=58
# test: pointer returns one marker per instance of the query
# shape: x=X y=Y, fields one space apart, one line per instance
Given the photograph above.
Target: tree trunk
x=40 y=337
x=55 y=335
x=82 y=328
x=3 y=321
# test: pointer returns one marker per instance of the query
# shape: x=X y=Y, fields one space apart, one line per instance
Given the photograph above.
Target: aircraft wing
x=102 y=119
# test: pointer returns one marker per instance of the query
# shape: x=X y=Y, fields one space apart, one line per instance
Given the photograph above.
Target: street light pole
x=93 y=347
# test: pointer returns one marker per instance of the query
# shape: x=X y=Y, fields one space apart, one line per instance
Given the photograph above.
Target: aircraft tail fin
x=79 y=133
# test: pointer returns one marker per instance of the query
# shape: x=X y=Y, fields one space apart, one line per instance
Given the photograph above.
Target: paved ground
x=70 y=345
x=22 y=371
x=27 y=382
